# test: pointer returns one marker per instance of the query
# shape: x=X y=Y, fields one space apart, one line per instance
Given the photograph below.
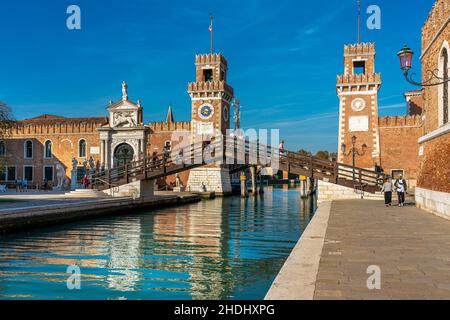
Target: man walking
x=401 y=187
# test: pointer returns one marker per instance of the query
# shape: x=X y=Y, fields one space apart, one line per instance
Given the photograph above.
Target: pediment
x=123 y=105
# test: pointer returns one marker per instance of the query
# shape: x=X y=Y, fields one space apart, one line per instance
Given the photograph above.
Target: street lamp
x=406 y=57
x=354 y=152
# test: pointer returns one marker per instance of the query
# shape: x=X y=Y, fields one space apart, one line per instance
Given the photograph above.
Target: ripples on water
x=221 y=249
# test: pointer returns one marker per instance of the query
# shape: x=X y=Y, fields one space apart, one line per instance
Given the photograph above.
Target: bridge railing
x=255 y=153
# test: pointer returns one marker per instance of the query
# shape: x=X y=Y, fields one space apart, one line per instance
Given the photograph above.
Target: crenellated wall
x=437 y=19
x=400 y=121
x=64 y=135
x=169 y=126
x=399 y=147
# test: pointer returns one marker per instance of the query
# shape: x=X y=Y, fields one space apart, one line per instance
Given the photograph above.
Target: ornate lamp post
x=354 y=151
x=406 y=56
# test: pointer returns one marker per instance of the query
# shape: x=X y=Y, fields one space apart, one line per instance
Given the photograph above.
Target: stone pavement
x=410 y=246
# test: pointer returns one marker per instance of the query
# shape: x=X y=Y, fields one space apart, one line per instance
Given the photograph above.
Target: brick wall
x=64 y=134
x=398 y=143
x=160 y=133
x=435 y=165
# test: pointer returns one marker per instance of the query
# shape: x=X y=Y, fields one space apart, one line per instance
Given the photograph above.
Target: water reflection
x=223 y=249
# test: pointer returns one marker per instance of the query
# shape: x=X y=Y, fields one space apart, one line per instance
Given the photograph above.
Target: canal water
x=227 y=248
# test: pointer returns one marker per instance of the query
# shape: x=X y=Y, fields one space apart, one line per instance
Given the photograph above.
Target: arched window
x=48 y=149
x=445 y=89
x=28 y=149
x=82 y=148
x=2 y=149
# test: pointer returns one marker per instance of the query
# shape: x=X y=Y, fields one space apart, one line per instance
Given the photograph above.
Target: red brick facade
x=434 y=172
x=390 y=142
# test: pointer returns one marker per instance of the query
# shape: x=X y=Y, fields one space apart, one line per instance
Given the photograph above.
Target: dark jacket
x=404 y=183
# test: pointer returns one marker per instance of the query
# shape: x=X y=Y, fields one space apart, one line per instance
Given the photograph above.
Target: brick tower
x=357 y=90
x=211 y=100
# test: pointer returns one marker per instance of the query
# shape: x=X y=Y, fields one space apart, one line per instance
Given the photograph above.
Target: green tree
x=324 y=155
x=303 y=152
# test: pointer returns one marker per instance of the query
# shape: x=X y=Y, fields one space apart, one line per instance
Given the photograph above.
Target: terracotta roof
x=53 y=119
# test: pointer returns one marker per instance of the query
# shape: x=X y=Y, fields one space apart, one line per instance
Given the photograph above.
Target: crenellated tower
x=211 y=95
x=211 y=98
x=357 y=90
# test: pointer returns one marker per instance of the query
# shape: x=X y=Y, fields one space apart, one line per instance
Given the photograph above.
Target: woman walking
x=387 y=189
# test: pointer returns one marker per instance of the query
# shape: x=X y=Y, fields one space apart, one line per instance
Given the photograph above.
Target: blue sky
x=283 y=57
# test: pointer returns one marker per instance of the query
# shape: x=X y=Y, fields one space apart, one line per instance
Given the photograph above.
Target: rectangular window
x=11 y=172
x=48 y=173
x=359 y=67
x=3 y=174
x=208 y=75
x=28 y=173
x=397 y=173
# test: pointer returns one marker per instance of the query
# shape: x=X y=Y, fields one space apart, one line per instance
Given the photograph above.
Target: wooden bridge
x=163 y=165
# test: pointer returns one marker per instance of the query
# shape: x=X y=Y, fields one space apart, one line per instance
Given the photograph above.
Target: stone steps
x=86 y=193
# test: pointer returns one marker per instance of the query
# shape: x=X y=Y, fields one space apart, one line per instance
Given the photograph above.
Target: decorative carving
x=124 y=119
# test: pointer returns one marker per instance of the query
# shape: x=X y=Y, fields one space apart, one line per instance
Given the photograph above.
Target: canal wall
x=23 y=218
x=297 y=279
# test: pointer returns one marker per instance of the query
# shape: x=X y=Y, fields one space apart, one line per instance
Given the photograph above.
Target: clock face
x=206 y=111
x=358 y=104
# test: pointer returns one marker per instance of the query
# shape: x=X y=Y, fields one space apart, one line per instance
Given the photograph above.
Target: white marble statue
x=60 y=176
x=91 y=165
x=124 y=91
x=74 y=164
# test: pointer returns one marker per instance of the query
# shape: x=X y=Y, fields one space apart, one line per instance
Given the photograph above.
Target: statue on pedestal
x=91 y=165
x=60 y=176
x=178 y=185
x=73 y=174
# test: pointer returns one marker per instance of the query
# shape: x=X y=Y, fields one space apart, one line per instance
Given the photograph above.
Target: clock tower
x=211 y=98
x=357 y=90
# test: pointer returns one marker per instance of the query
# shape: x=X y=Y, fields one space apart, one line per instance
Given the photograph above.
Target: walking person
x=25 y=185
x=281 y=148
x=86 y=182
x=387 y=189
x=20 y=185
x=401 y=187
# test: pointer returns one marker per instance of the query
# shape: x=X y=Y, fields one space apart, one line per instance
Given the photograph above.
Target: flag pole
x=211 y=31
x=359 y=21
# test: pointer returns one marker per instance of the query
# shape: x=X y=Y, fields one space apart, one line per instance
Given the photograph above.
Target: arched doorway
x=123 y=155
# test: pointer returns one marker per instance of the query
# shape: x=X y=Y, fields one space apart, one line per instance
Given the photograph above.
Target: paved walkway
x=410 y=246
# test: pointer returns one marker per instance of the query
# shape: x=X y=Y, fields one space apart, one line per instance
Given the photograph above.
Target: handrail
x=151 y=166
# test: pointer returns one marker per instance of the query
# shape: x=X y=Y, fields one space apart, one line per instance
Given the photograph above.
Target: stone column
x=102 y=153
